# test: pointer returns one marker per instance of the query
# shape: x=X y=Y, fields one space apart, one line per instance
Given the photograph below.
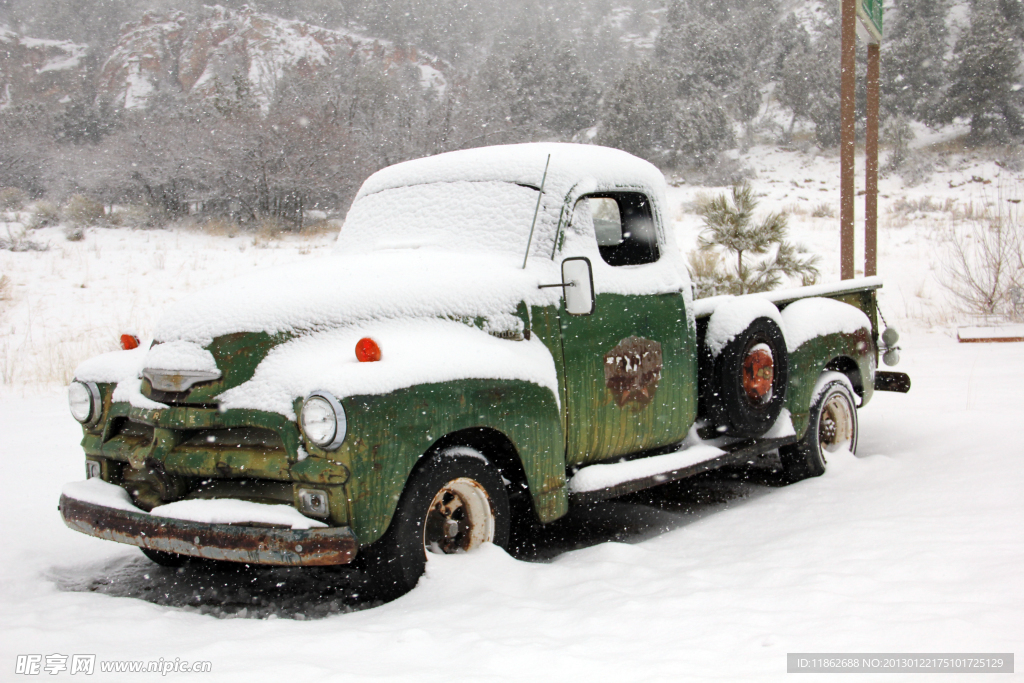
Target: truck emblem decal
x=632 y=370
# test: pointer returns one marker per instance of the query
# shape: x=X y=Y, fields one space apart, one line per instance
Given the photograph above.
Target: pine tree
x=639 y=115
x=646 y=114
x=550 y=89
x=729 y=226
x=795 y=86
x=986 y=59
x=810 y=78
x=913 y=52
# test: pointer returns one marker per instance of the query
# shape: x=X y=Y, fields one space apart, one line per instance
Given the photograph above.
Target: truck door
x=630 y=366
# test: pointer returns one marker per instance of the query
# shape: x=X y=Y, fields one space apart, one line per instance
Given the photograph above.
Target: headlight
x=84 y=401
x=323 y=420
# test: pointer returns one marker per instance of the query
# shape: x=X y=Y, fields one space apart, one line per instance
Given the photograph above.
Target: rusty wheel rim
x=835 y=426
x=459 y=518
x=758 y=374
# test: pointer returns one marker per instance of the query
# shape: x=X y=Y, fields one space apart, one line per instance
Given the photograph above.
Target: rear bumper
x=233 y=543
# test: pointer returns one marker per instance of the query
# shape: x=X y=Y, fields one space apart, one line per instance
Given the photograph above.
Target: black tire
x=165 y=559
x=738 y=404
x=833 y=423
x=452 y=503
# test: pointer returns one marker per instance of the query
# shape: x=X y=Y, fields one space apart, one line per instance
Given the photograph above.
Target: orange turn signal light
x=129 y=342
x=367 y=350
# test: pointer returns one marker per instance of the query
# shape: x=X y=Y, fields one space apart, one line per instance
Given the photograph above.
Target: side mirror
x=578 y=285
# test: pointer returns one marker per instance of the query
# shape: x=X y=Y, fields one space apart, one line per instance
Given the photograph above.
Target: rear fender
x=849 y=353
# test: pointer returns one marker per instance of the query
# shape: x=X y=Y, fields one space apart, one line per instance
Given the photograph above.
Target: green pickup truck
x=500 y=333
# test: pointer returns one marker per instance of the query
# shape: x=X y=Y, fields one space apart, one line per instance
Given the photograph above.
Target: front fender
x=388 y=433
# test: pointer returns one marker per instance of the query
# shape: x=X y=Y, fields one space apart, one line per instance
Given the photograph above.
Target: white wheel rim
x=459 y=518
x=835 y=424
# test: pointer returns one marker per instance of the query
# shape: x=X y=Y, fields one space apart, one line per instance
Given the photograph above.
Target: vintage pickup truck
x=500 y=332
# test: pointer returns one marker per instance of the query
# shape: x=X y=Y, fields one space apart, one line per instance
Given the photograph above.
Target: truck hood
x=351 y=288
x=268 y=335
x=413 y=352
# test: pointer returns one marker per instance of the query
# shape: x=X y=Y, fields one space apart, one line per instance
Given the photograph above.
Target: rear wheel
x=453 y=503
x=833 y=427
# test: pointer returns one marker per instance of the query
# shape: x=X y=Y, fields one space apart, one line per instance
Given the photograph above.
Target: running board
x=611 y=480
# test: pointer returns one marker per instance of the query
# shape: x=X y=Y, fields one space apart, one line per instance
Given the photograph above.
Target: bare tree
x=984 y=263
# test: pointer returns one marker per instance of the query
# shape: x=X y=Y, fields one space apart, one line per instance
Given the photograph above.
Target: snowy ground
x=912 y=546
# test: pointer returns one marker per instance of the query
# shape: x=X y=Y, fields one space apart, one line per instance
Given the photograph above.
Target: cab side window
x=624 y=225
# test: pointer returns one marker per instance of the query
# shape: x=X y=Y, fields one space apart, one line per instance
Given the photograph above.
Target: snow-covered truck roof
x=600 y=167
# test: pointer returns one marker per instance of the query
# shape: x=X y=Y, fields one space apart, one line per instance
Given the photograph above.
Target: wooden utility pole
x=871 y=166
x=847 y=149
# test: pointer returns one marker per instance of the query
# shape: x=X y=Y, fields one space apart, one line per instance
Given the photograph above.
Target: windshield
x=455 y=216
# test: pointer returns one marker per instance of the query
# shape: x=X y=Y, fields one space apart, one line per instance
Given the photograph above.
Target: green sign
x=870 y=14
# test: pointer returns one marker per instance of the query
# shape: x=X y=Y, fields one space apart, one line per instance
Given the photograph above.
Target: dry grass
x=139 y=216
x=83 y=210
x=699 y=203
x=49 y=362
x=5 y=288
x=44 y=214
x=12 y=198
x=317 y=228
x=823 y=210
x=220 y=227
x=926 y=204
x=955 y=145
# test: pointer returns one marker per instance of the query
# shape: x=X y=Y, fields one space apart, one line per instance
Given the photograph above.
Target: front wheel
x=833 y=426
x=453 y=503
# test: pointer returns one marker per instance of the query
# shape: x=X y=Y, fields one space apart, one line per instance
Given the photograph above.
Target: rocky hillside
x=198 y=56
x=47 y=71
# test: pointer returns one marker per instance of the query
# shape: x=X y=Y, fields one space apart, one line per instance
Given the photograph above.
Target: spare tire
x=748 y=381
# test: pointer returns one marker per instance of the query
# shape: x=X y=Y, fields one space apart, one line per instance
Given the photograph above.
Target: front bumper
x=230 y=542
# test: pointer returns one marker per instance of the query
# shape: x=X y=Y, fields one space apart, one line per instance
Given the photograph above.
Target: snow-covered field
x=913 y=546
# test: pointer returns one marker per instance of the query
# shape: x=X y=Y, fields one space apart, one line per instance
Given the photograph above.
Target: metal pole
x=847 y=112
x=871 y=166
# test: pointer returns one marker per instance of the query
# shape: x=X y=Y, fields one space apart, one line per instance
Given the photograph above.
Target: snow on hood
x=346 y=289
x=413 y=352
x=113 y=367
x=123 y=369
